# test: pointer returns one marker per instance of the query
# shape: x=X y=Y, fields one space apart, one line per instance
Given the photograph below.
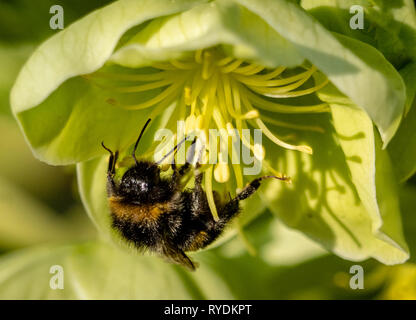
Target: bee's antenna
x=102 y=143
x=174 y=149
x=138 y=140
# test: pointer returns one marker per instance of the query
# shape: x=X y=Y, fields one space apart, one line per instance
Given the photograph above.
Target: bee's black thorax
x=142 y=184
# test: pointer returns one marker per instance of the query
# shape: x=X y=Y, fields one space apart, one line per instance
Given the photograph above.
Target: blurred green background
x=40 y=208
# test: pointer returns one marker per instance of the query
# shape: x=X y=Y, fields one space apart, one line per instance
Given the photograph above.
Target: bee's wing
x=177 y=256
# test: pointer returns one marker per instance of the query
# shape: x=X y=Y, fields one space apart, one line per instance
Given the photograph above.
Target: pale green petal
x=325 y=198
x=288 y=247
x=358 y=70
x=83 y=47
x=64 y=117
x=92 y=187
x=371 y=173
x=242 y=33
x=99 y=271
x=74 y=131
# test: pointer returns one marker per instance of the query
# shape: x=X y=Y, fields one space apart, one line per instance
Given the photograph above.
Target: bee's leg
x=178 y=173
x=176 y=176
x=231 y=208
x=199 y=198
x=111 y=171
x=253 y=186
x=199 y=192
x=211 y=228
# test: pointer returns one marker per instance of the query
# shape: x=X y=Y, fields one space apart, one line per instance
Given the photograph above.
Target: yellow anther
x=221 y=172
x=199 y=122
x=230 y=129
x=190 y=123
x=188 y=96
x=252 y=114
x=206 y=67
x=259 y=151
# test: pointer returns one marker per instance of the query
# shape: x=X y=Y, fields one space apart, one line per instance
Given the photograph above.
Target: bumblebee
x=156 y=213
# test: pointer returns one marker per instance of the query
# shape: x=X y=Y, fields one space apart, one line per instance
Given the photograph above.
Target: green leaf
x=400 y=283
x=408 y=203
x=390 y=26
x=26 y=185
x=343 y=195
x=408 y=74
x=403 y=146
x=99 y=271
x=26 y=221
x=25 y=21
x=18 y=165
x=287 y=265
x=242 y=33
x=11 y=60
x=276 y=244
x=356 y=69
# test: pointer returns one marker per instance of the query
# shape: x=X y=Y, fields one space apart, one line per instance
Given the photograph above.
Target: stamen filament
x=286 y=94
x=291 y=125
x=249 y=70
x=163 y=95
x=232 y=66
x=144 y=87
x=274 y=83
x=236 y=166
x=210 y=194
x=164 y=66
x=275 y=107
x=225 y=95
x=282 y=89
x=183 y=65
x=279 y=142
x=131 y=77
x=198 y=56
x=224 y=61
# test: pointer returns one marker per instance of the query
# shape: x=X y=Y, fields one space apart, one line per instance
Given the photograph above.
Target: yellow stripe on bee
x=198 y=241
x=136 y=213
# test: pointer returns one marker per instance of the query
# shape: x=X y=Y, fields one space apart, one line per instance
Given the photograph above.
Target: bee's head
x=141 y=181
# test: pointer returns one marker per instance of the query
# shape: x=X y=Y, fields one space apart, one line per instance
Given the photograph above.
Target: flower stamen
x=214 y=91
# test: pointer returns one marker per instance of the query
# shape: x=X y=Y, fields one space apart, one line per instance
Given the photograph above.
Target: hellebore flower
x=327 y=104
